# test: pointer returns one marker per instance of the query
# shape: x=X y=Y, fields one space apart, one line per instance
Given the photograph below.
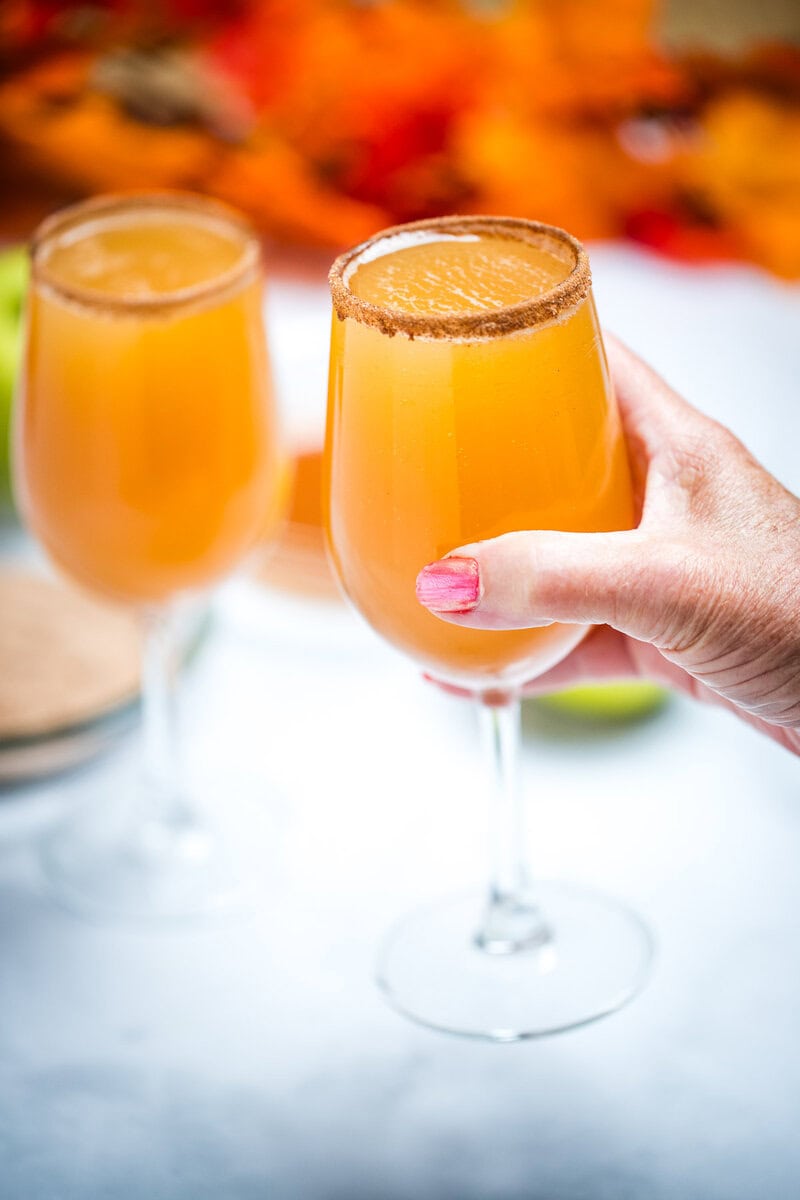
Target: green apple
x=13 y=282
x=607 y=701
x=10 y=352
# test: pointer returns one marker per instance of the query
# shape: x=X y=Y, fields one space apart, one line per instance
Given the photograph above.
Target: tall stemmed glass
x=469 y=396
x=146 y=463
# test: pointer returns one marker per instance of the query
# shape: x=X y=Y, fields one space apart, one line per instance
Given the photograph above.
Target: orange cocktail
x=460 y=410
x=470 y=397
x=148 y=459
x=147 y=463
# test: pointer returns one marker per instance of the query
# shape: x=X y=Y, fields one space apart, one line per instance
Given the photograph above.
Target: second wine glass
x=147 y=463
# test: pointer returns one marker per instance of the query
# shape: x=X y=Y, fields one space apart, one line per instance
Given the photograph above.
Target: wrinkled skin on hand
x=704 y=595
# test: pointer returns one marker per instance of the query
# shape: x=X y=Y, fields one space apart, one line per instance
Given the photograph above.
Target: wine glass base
x=141 y=873
x=596 y=959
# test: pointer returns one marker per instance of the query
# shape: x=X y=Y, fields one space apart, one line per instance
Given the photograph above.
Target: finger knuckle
x=686 y=588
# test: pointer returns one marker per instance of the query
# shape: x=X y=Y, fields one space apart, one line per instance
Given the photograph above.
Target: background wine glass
x=146 y=463
x=470 y=396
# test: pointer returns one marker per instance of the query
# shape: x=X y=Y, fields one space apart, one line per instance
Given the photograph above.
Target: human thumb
x=525 y=579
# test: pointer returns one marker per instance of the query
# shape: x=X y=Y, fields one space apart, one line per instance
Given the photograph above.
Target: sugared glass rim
x=548 y=307
x=84 y=212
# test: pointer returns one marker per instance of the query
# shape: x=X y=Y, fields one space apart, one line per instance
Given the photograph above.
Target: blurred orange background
x=675 y=125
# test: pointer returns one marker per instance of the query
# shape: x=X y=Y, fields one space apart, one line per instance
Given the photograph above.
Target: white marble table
x=251 y=1058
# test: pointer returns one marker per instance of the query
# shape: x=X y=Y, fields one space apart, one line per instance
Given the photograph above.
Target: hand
x=704 y=595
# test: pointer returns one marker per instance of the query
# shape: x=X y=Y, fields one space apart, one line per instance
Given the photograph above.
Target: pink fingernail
x=451 y=585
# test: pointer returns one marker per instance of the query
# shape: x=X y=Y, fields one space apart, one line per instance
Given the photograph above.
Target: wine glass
x=469 y=397
x=146 y=463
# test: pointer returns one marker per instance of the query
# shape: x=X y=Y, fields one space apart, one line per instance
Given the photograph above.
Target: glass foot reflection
x=104 y=867
x=595 y=957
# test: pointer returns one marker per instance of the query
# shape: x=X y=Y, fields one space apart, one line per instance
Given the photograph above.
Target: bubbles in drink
x=149 y=257
x=458 y=275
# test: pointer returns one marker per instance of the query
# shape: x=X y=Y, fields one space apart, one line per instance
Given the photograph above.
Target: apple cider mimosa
x=147 y=463
x=456 y=416
x=148 y=441
x=469 y=397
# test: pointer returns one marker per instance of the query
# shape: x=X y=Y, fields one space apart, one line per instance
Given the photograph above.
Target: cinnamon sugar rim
x=75 y=216
x=553 y=304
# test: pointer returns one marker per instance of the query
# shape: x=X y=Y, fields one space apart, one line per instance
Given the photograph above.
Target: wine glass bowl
x=146 y=447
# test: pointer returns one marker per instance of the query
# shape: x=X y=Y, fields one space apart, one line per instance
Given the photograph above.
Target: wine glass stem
x=163 y=806
x=511 y=921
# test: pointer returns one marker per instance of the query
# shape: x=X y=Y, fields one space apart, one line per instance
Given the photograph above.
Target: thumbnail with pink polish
x=450 y=585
